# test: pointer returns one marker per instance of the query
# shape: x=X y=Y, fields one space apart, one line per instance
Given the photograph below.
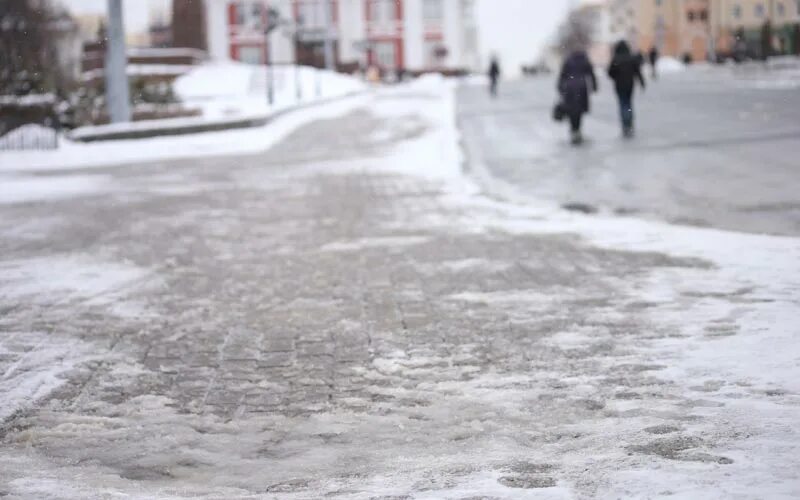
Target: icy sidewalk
x=346 y=316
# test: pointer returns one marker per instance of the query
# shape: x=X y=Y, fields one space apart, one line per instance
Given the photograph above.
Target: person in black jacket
x=625 y=70
x=654 y=61
x=494 y=76
x=576 y=75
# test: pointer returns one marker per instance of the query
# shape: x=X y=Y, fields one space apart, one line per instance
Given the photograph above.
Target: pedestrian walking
x=653 y=55
x=625 y=69
x=574 y=82
x=494 y=76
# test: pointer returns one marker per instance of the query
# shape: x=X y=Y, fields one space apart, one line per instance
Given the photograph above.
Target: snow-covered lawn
x=233 y=90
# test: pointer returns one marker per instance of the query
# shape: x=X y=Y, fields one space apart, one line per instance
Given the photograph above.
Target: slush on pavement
x=382 y=250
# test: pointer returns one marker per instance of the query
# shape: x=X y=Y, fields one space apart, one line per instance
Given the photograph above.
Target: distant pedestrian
x=653 y=55
x=625 y=69
x=574 y=82
x=494 y=76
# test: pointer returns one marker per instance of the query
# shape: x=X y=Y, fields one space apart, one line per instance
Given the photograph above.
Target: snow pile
x=214 y=81
x=231 y=89
x=670 y=65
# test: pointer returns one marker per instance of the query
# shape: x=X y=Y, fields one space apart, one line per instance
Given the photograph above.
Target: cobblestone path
x=299 y=324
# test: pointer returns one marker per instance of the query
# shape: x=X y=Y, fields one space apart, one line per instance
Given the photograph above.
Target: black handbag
x=559 y=112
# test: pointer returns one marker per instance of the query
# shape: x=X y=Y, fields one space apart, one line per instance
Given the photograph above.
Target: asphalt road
x=714 y=147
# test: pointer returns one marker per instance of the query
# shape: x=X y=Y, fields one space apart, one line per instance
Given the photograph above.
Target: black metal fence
x=28 y=122
x=32 y=136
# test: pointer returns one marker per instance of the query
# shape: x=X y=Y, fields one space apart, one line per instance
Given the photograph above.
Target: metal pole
x=270 y=73
x=117 y=91
x=298 y=88
x=329 y=56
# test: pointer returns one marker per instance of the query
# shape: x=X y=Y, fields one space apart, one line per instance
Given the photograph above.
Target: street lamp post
x=270 y=72
x=329 y=56
x=117 y=90
x=294 y=32
x=273 y=21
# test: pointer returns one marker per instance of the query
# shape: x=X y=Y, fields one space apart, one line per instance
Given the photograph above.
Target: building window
x=781 y=9
x=737 y=11
x=690 y=16
x=381 y=11
x=432 y=10
x=250 y=55
x=759 y=10
x=385 y=53
x=249 y=14
x=311 y=13
x=704 y=15
x=659 y=2
x=432 y=48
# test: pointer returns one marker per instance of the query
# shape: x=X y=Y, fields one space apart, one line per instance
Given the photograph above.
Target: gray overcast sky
x=514 y=29
x=137 y=12
x=517 y=30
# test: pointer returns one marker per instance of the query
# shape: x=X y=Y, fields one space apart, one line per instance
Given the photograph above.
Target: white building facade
x=408 y=35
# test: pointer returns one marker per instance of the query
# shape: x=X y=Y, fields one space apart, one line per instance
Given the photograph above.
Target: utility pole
x=270 y=71
x=329 y=56
x=273 y=21
x=117 y=91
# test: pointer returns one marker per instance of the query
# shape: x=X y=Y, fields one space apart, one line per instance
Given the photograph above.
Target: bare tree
x=26 y=47
x=577 y=31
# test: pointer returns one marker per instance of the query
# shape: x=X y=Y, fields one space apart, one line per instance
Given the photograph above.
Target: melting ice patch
x=35 y=374
x=27 y=189
x=67 y=279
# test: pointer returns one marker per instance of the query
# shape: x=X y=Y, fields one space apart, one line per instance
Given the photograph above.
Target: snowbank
x=670 y=65
x=231 y=89
x=214 y=81
x=71 y=155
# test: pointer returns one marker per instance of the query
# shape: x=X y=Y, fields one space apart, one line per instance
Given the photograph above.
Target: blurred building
x=189 y=28
x=740 y=25
x=159 y=34
x=622 y=19
x=159 y=28
x=598 y=15
x=407 y=35
x=90 y=25
x=701 y=28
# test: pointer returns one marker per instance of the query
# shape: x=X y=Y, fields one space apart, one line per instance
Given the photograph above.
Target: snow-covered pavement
x=344 y=313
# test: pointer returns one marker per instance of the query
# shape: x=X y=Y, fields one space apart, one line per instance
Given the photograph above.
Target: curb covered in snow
x=184 y=126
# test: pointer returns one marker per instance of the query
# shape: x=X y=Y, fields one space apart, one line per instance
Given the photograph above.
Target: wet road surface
x=713 y=148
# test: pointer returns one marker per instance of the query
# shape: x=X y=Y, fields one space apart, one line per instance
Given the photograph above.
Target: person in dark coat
x=494 y=76
x=574 y=81
x=625 y=70
x=654 y=61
